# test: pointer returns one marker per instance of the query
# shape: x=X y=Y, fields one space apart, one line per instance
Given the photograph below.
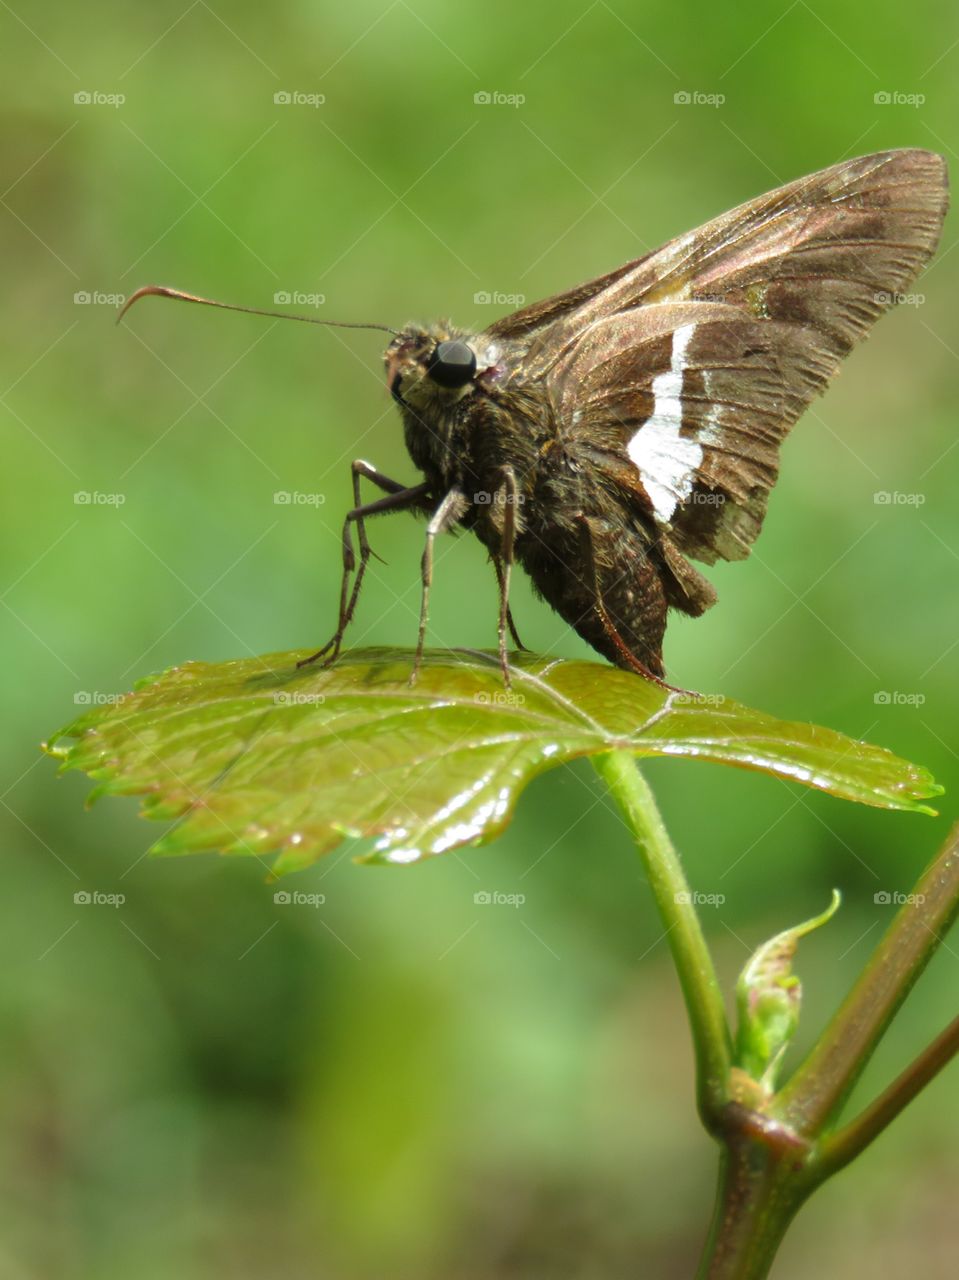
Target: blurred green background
x=401 y=1083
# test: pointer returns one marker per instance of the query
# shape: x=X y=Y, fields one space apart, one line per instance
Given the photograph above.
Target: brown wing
x=528 y=320
x=680 y=377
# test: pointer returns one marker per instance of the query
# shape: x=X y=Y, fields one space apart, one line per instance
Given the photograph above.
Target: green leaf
x=257 y=757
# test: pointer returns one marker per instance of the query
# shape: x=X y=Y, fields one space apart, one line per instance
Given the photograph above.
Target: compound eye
x=451 y=364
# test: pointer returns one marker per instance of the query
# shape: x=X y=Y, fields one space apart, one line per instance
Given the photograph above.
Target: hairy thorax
x=496 y=440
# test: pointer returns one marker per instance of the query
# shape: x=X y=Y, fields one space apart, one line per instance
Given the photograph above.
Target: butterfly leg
x=360 y=469
x=607 y=623
x=398 y=498
x=506 y=498
x=498 y=566
x=448 y=513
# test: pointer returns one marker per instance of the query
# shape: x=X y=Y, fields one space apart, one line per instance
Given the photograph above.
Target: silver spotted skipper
x=603 y=437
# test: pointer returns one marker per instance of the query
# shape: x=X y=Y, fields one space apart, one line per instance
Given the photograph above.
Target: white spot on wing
x=667 y=461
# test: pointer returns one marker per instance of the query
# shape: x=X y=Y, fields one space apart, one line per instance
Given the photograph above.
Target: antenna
x=164 y=291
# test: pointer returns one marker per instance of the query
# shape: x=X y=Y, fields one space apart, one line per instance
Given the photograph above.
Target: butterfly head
x=432 y=367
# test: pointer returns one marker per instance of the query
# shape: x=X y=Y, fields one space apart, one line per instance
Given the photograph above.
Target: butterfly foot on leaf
x=333 y=644
x=677 y=689
x=641 y=669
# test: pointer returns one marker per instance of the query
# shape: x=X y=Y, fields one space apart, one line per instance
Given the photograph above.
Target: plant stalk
x=815 y=1094
x=760 y=1190
x=774 y=1158
x=697 y=976
x=839 y=1148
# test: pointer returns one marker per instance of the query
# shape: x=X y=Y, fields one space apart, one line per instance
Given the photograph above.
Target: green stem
x=775 y=1156
x=762 y=1186
x=838 y=1149
x=697 y=976
x=813 y=1097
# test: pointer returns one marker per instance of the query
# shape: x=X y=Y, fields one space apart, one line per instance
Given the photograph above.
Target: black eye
x=451 y=364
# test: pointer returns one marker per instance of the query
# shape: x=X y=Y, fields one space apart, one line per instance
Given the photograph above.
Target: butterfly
x=606 y=437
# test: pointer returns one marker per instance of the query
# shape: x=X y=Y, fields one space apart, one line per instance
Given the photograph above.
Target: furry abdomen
x=630 y=584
